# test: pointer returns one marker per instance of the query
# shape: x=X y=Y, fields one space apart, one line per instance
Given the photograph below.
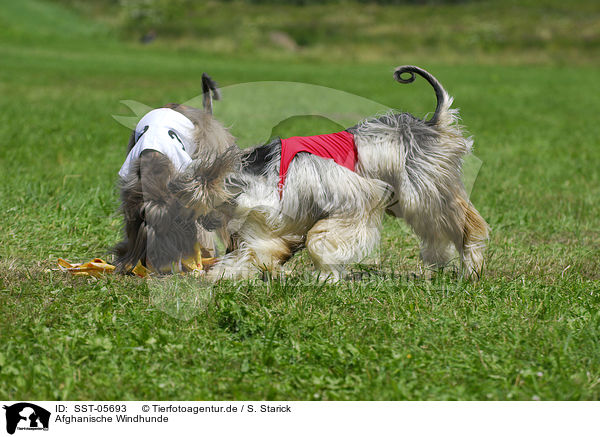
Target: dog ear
x=202 y=186
x=131 y=141
x=210 y=91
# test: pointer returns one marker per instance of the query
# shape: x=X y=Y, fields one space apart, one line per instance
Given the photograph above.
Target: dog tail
x=443 y=99
x=210 y=91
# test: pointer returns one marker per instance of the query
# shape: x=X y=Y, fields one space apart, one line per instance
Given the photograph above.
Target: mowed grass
x=529 y=329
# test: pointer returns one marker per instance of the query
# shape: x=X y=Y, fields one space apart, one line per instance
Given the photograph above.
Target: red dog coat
x=338 y=146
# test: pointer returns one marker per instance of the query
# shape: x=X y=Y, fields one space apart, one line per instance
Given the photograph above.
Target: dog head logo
x=26 y=416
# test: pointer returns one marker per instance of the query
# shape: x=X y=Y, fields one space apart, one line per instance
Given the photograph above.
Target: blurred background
x=509 y=31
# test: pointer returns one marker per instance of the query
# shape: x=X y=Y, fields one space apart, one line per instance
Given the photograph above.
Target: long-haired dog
x=397 y=163
x=160 y=232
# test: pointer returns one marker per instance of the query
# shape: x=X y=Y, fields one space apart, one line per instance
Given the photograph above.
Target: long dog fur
x=406 y=166
x=159 y=230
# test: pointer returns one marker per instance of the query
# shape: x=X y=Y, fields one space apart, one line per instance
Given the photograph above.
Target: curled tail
x=443 y=100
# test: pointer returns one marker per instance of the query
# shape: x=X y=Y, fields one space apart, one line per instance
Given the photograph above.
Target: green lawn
x=529 y=329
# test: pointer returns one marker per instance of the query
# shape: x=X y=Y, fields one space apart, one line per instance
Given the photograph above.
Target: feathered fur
x=160 y=231
x=407 y=166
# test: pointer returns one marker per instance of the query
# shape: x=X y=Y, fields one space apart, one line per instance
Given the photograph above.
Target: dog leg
x=238 y=264
x=251 y=258
x=333 y=243
x=458 y=224
x=438 y=229
x=473 y=241
x=436 y=253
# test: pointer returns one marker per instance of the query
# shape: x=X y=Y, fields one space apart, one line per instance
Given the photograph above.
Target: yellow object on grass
x=98 y=267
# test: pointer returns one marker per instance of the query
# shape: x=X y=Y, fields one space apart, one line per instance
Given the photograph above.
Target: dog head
x=164 y=143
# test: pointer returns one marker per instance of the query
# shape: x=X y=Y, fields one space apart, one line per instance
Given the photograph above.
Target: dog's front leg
x=252 y=257
x=238 y=264
x=334 y=243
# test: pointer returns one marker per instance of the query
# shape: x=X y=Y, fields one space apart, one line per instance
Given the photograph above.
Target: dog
x=329 y=193
x=160 y=232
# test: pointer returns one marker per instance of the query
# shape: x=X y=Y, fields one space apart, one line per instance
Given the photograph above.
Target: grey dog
x=406 y=166
x=159 y=230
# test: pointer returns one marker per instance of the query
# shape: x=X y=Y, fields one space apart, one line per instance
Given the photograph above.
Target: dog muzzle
x=166 y=131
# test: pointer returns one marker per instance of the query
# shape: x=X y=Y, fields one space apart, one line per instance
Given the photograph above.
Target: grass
x=529 y=329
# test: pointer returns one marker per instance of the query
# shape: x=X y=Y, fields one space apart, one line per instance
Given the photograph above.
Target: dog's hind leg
x=437 y=252
x=458 y=224
x=474 y=238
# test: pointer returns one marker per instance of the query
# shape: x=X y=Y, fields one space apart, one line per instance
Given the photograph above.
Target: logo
x=26 y=416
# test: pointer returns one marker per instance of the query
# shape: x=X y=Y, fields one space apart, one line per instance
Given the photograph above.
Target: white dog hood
x=166 y=131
